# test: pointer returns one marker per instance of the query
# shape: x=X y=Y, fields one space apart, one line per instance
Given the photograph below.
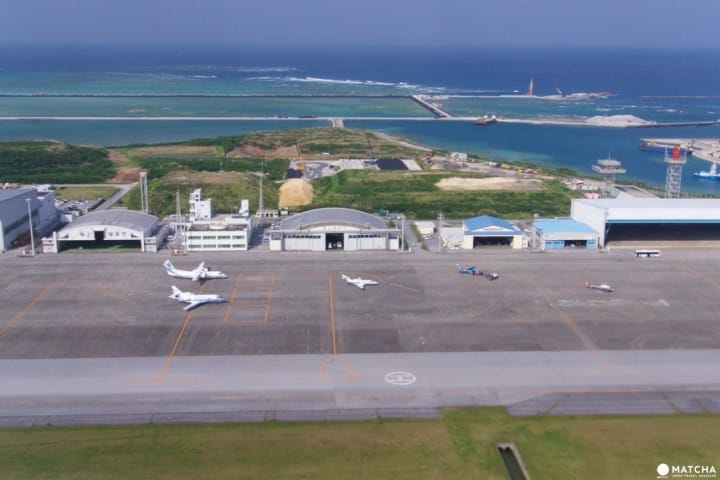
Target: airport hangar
x=14 y=222
x=334 y=229
x=112 y=226
x=649 y=219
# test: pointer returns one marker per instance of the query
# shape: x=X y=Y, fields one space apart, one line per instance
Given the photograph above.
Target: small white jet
x=602 y=286
x=199 y=274
x=194 y=300
x=359 y=282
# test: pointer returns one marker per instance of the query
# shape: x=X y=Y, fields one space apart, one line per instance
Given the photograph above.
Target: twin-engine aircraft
x=359 y=282
x=199 y=274
x=193 y=299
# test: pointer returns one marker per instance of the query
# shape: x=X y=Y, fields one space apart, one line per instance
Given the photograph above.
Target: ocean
x=655 y=85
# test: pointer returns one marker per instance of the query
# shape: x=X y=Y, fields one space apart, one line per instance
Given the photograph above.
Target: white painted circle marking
x=400 y=378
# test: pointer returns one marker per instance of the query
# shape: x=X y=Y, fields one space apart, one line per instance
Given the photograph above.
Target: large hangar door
x=480 y=242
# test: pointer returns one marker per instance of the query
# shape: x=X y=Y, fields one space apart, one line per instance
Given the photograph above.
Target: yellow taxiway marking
x=568 y=320
x=26 y=309
x=178 y=339
x=251 y=303
x=332 y=314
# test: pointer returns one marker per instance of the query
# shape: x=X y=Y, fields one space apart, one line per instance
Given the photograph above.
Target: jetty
x=433 y=107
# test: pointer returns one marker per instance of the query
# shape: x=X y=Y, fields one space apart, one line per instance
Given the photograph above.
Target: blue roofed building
x=556 y=233
x=489 y=231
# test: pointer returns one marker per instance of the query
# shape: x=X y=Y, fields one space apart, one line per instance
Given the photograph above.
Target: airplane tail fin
x=168 y=266
x=175 y=291
x=587 y=284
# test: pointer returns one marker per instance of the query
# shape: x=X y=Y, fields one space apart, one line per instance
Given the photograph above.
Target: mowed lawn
x=460 y=445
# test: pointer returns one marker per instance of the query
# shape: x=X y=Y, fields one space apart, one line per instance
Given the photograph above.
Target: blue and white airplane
x=194 y=300
x=198 y=274
x=476 y=271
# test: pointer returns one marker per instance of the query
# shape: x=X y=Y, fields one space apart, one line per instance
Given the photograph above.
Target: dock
x=433 y=107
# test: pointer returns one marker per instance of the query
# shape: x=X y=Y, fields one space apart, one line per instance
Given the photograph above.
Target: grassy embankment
x=462 y=444
x=87 y=193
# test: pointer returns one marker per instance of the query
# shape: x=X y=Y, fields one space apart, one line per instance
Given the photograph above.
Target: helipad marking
x=400 y=378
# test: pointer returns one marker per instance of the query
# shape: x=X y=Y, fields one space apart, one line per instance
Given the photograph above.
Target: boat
x=485 y=120
x=711 y=175
x=652 y=146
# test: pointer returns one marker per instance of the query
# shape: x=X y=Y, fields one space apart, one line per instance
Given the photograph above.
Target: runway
x=93 y=338
x=310 y=387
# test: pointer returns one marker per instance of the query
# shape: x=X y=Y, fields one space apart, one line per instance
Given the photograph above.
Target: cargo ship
x=485 y=120
x=653 y=146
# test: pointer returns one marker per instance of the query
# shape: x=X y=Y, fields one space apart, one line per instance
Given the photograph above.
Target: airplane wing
x=193 y=305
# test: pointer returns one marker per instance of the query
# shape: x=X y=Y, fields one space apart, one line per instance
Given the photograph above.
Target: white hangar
x=334 y=229
x=107 y=227
x=649 y=219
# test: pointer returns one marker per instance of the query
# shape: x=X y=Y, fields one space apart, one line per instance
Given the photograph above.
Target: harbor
x=707 y=149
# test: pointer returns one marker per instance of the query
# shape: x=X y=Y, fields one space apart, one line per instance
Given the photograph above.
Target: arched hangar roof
x=119 y=217
x=333 y=216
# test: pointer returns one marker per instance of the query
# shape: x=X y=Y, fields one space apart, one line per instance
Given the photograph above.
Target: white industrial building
x=334 y=229
x=107 y=227
x=648 y=219
x=14 y=223
x=206 y=233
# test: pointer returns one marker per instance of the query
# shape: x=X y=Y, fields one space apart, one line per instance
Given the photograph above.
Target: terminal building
x=334 y=229
x=208 y=233
x=649 y=219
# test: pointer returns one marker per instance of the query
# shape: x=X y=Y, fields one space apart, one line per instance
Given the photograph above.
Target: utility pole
x=32 y=238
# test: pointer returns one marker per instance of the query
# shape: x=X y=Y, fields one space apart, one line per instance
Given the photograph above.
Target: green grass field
x=462 y=444
x=89 y=193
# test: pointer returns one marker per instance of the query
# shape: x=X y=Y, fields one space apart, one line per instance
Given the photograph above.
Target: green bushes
x=51 y=162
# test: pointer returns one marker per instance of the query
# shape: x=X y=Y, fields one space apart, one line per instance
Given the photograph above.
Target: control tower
x=673 y=175
x=608 y=168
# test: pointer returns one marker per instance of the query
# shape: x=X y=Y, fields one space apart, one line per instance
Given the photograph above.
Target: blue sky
x=638 y=23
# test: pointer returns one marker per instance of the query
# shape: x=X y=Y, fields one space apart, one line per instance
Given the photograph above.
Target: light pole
x=32 y=239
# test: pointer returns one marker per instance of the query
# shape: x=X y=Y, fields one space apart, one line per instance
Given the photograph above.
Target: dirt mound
x=490 y=183
x=294 y=193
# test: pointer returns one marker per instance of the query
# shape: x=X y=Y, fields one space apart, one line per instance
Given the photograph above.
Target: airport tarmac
x=93 y=325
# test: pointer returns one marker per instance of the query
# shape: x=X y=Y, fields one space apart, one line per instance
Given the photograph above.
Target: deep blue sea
x=655 y=85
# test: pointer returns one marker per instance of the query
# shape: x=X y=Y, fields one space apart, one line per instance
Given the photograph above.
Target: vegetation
x=79 y=193
x=346 y=142
x=461 y=444
x=53 y=162
x=159 y=167
x=226 y=189
x=416 y=195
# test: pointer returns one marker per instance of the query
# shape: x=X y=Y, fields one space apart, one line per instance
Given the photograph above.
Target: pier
x=433 y=107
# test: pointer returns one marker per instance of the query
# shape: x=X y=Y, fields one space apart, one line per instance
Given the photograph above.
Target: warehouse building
x=115 y=226
x=558 y=233
x=489 y=231
x=334 y=229
x=649 y=219
x=14 y=222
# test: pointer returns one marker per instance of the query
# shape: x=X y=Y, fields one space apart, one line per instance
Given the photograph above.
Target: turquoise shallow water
x=662 y=86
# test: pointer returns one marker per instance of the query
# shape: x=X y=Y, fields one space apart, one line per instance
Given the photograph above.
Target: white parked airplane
x=359 y=282
x=200 y=273
x=602 y=286
x=195 y=300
